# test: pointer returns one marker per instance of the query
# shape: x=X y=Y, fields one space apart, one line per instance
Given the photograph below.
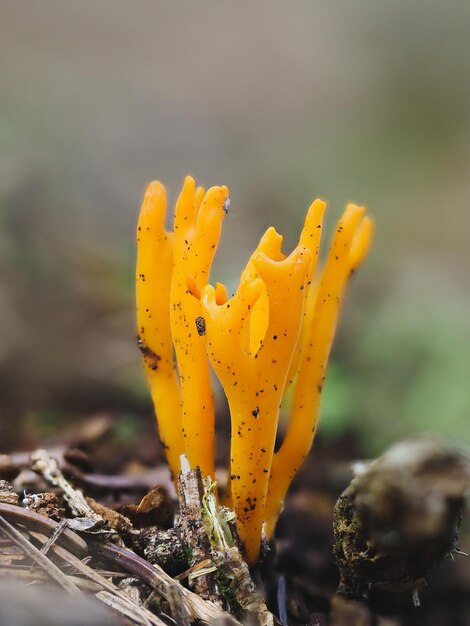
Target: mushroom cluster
x=274 y=332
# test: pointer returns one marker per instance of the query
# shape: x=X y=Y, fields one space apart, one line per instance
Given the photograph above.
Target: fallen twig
x=233 y=572
x=190 y=493
x=84 y=516
x=55 y=535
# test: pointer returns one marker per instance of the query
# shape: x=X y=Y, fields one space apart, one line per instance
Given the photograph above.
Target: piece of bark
x=190 y=493
x=232 y=574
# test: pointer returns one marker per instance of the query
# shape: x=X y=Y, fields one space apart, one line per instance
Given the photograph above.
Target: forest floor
x=298 y=578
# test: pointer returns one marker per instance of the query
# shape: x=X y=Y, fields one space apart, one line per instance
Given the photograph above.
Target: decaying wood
x=190 y=491
x=209 y=532
x=233 y=573
x=118 y=522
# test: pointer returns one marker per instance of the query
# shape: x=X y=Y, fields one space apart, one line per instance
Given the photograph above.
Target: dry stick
x=229 y=561
x=48 y=467
x=190 y=492
x=68 y=539
x=85 y=570
x=55 y=535
x=52 y=570
x=154 y=576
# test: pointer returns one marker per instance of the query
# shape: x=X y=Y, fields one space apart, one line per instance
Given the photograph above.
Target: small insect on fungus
x=276 y=331
x=200 y=325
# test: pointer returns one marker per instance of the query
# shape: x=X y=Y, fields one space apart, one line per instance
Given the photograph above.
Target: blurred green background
x=366 y=101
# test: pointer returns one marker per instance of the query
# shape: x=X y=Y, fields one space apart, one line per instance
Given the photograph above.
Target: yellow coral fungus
x=276 y=329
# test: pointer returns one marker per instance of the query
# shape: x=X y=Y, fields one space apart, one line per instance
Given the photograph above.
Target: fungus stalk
x=276 y=329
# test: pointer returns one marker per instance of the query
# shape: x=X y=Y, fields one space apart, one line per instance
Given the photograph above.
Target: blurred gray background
x=366 y=101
